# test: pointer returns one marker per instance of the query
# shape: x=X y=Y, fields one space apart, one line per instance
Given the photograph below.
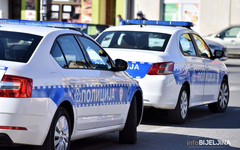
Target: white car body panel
x=162 y=91
x=100 y=99
x=33 y=113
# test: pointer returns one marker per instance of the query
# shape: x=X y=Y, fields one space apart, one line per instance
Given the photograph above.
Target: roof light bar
x=28 y=22
x=9 y=21
x=52 y=24
x=43 y=23
x=165 y=23
x=73 y=25
x=135 y=21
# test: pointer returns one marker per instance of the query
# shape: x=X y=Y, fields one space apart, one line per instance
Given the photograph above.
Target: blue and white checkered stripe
x=138 y=70
x=3 y=68
x=87 y=95
x=198 y=77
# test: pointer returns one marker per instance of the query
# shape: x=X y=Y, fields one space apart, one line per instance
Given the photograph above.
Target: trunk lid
x=139 y=61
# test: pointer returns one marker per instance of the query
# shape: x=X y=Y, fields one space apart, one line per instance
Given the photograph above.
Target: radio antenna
x=139 y=20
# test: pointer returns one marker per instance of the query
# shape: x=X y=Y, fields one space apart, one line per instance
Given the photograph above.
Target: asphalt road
x=201 y=126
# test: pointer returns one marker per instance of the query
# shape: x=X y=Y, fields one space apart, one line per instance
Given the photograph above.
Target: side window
x=230 y=33
x=72 y=52
x=202 y=46
x=58 y=55
x=99 y=57
x=187 y=45
x=107 y=40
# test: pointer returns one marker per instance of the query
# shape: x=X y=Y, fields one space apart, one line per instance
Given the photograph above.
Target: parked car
x=94 y=30
x=229 y=37
x=58 y=85
x=173 y=65
x=217 y=46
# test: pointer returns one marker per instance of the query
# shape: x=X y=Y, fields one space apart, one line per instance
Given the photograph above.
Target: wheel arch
x=68 y=106
x=225 y=77
x=139 y=98
x=187 y=85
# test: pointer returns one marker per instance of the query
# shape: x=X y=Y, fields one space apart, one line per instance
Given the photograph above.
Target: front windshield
x=134 y=40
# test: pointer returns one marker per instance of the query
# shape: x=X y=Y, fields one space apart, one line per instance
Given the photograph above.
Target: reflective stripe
x=138 y=69
x=198 y=76
x=85 y=96
x=3 y=68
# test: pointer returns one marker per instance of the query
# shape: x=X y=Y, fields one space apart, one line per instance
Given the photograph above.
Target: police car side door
x=80 y=80
x=195 y=66
x=211 y=80
x=113 y=91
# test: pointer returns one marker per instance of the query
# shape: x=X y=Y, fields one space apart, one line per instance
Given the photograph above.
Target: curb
x=236 y=56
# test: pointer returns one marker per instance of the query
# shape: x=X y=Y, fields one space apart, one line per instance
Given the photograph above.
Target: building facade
x=208 y=16
x=3 y=9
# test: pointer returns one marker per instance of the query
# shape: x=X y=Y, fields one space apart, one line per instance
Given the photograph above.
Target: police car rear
x=173 y=65
x=58 y=85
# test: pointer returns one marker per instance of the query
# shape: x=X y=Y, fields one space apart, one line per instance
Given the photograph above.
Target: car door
x=230 y=38
x=211 y=80
x=113 y=90
x=195 y=67
x=79 y=79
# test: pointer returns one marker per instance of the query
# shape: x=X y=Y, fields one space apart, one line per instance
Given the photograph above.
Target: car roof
x=147 y=28
x=36 y=30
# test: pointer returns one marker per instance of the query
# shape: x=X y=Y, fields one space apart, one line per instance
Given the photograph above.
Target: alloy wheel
x=61 y=135
x=184 y=104
x=223 y=95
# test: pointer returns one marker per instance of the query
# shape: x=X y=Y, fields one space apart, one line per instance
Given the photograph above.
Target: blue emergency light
x=9 y=21
x=43 y=23
x=164 y=23
x=28 y=22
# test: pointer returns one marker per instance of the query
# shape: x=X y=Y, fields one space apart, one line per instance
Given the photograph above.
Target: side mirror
x=218 y=54
x=121 y=65
x=218 y=36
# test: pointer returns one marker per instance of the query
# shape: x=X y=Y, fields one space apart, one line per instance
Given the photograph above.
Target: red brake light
x=163 y=68
x=15 y=86
x=13 y=128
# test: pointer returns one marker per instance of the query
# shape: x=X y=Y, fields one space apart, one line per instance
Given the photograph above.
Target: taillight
x=12 y=128
x=15 y=86
x=163 y=68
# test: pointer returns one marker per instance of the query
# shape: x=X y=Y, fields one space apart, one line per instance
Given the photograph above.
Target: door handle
x=72 y=81
x=191 y=67
x=102 y=81
x=207 y=68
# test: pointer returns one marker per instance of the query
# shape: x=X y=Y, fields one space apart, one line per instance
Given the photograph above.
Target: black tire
x=179 y=114
x=223 y=98
x=129 y=133
x=60 y=116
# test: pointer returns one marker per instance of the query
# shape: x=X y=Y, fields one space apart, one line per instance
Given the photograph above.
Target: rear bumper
x=34 y=114
x=160 y=91
x=5 y=139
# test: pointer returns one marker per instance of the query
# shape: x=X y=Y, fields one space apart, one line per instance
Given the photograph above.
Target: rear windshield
x=134 y=40
x=17 y=46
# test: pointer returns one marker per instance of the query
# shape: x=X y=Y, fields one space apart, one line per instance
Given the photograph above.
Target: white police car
x=58 y=85
x=173 y=65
